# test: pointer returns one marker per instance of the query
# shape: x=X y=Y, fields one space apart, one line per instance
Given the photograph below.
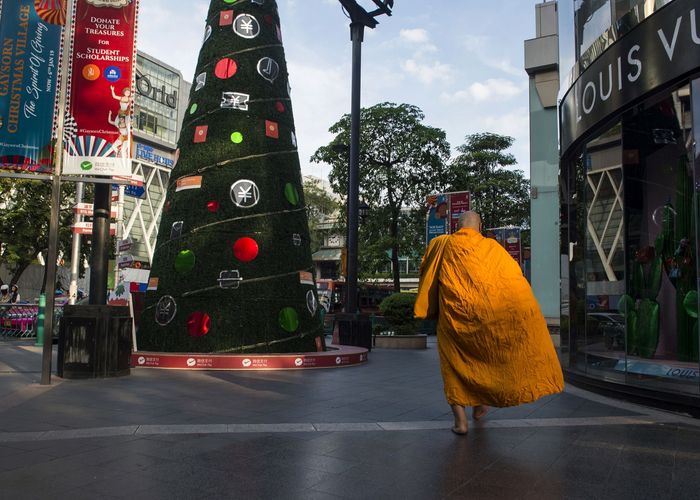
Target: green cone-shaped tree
x=232 y=270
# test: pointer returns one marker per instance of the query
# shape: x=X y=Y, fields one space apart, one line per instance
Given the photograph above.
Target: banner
x=459 y=203
x=437 y=222
x=98 y=125
x=443 y=213
x=30 y=34
x=509 y=238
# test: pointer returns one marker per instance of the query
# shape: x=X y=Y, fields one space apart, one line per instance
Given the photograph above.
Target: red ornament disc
x=213 y=206
x=198 y=324
x=245 y=249
x=279 y=106
x=225 y=68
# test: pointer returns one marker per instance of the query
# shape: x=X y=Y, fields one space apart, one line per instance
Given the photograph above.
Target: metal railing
x=20 y=320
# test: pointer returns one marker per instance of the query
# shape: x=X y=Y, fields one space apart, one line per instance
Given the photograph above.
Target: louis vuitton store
x=630 y=195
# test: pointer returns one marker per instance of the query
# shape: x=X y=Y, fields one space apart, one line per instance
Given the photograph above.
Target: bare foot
x=461 y=425
x=479 y=411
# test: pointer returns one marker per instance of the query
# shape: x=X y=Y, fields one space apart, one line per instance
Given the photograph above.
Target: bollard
x=40 y=321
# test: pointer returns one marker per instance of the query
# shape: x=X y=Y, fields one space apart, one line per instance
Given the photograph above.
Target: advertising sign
x=511 y=242
x=660 y=50
x=437 y=223
x=148 y=153
x=85 y=228
x=443 y=213
x=509 y=238
x=101 y=90
x=459 y=203
x=30 y=34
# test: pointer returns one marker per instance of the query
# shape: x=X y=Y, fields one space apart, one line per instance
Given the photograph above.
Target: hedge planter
x=419 y=341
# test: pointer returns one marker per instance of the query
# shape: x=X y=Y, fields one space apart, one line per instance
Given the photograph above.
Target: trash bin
x=94 y=342
x=354 y=329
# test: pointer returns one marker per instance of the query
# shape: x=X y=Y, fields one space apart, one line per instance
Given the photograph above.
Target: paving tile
x=481 y=491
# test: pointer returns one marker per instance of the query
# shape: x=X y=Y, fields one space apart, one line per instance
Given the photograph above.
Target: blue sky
x=460 y=61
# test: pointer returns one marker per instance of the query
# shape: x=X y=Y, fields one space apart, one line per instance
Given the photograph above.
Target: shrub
x=397 y=310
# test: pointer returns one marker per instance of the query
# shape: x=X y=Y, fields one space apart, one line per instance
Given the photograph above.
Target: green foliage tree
x=401 y=160
x=24 y=222
x=500 y=195
x=233 y=262
x=322 y=210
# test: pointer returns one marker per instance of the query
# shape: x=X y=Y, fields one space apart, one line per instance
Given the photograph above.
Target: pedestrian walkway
x=378 y=430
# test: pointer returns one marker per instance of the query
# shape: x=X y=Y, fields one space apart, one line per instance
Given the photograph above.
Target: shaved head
x=470 y=220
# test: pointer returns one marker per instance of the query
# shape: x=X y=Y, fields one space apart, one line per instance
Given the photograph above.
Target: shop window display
x=630 y=213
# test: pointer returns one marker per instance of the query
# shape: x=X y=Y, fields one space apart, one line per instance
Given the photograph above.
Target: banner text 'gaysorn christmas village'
x=30 y=37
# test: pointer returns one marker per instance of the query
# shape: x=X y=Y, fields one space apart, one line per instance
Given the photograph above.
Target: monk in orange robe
x=494 y=345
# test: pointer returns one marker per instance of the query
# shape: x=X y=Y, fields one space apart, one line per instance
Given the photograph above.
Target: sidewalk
x=378 y=430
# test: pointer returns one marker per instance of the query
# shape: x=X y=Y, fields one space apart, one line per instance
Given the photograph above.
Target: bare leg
x=460 y=426
x=479 y=411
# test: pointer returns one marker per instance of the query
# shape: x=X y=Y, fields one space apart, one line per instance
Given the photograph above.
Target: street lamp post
x=359 y=18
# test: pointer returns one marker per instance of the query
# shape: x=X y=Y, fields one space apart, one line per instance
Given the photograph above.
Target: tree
x=232 y=269
x=501 y=196
x=24 y=222
x=322 y=210
x=401 y=161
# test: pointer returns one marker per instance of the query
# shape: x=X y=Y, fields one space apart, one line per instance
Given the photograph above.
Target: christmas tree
x=232 y=269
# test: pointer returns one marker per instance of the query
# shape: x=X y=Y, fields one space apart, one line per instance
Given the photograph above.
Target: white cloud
x=174 y=38
x=427 y=73
x=416 y=35
x=493 y=89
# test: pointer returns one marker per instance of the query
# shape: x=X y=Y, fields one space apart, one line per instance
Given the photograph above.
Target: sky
x=459 y=61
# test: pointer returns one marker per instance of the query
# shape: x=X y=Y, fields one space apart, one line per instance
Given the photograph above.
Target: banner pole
x=55 y=204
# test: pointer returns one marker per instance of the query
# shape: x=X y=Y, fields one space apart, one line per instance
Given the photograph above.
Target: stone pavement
x=375 y=431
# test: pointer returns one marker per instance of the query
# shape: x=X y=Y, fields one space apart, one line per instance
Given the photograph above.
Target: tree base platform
x=336 y=356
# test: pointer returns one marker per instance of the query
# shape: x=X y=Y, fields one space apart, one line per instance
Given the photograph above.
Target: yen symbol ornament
x=311 y=302
x=246 y=26
x=165 y=310
x=245 y=193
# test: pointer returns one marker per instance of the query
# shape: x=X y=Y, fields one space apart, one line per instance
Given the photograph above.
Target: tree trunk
x=18 y=272
x=395 y=271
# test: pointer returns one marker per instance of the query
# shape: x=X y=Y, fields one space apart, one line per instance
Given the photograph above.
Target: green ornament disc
x=193 y=108
x=184 y=262
x=288 y=319
x=291 y=193
x=236 y=138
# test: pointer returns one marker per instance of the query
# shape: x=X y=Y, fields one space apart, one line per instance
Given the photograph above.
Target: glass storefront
x=630 y=193
x=630 y=231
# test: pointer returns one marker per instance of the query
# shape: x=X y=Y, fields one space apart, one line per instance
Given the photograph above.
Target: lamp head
x=359 y=14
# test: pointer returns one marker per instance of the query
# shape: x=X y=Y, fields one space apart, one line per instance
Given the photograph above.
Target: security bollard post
x=40 y=321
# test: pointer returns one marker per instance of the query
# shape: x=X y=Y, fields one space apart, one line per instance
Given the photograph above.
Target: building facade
x=159 y=107
x=629 y=126
x=542 y=66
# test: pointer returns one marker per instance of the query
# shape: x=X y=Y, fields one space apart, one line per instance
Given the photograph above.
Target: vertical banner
x=443 y=213
x=511 y=238
x=459 y=203
x=30 y=34
x=437 y=219
x=98 y=125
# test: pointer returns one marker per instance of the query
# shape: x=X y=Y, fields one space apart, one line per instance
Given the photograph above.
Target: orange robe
x=494 y=345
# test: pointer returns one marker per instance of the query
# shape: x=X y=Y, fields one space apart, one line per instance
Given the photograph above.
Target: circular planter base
x=335 y=357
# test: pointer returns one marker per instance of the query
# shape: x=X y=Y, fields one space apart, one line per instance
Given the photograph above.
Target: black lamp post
x=359 y=18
